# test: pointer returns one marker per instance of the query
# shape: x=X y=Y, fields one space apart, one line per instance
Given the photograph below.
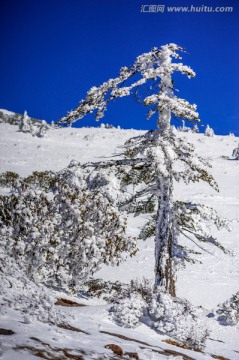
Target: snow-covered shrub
x=41 y=180
x=177 y=318
x=115 y=291
x=209 y=131
x=8 y=179
x=43 y=127
x=19 y=293
x=62 y=235
x=100 y=288
x=228 y=312
x=235 y=153
x=130 y=303
x=128 y=311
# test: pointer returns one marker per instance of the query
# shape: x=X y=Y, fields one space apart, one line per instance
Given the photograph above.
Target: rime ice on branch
x=155 y=160
x=152 y=65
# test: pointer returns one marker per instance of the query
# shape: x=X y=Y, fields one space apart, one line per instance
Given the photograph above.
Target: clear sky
x=53 y=51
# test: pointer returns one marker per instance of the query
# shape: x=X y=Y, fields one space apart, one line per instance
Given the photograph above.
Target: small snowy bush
x=42 y=129
x=130 y=302
x=128 y=311
x=177 y=318
x=172 y=316
x=100 y=288
x=115 y=291
x=209 y=131
x=8 y=179
x=40 y=180
x=228 y=312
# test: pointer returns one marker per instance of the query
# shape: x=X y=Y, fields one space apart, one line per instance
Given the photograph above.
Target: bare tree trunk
x=164 y=239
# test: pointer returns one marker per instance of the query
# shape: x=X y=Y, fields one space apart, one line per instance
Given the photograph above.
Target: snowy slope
x=207 y=285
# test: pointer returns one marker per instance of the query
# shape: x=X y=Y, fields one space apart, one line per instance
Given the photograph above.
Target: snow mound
x=19 y=293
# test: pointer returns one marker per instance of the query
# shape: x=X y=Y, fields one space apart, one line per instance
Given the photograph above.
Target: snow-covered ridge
x=13 y=118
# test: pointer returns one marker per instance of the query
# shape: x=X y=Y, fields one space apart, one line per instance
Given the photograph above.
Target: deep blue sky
x=53 y=51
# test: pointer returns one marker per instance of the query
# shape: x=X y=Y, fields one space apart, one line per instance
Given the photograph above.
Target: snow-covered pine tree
x=195 y=128
x=25 y=124
x=184 y=128
x=209 y=131
x=154 y=160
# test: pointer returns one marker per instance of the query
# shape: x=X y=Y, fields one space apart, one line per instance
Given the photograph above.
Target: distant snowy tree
x=34 y=127
x=235 y=153
x=61 y=230
x=152 y=162
x=209 y=131
x=42 y=129
x=184 y=128
x=195 y=128
x=25 y=124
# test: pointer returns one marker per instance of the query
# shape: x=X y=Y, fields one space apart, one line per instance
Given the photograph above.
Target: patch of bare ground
x=120 y=354
x=71 y=328
x=117 y=350
x=124 y=337
x=132 y=355
x=68 y=303
x=46 y=351
x=219 y=357
x=181 y=345
x=6 y=332
x=168 y=352
x=162 y=351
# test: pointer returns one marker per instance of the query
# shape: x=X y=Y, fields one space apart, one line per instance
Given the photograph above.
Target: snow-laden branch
x=153 y=65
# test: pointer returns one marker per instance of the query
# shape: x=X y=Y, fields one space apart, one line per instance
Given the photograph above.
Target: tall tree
x=153 y=161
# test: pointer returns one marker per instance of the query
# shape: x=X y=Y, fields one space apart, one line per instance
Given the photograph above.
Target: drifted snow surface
x=205 y=285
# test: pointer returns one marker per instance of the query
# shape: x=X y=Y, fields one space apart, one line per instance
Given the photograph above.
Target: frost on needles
x=61 y=227
x=154 y=161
